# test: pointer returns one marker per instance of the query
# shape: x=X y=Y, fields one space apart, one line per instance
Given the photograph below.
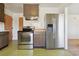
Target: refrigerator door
x=50 y=41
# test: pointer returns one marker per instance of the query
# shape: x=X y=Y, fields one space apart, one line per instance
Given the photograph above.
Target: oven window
x=25 y=37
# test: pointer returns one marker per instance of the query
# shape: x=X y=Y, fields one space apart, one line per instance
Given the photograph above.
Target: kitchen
x=39 y=32
x=38 y=24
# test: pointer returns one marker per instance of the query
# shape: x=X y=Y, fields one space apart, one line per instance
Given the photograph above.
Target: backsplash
x=37 y=24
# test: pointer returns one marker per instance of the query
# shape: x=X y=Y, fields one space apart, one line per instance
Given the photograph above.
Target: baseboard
x=38 y=47
x=73 y=39
x=54 y=48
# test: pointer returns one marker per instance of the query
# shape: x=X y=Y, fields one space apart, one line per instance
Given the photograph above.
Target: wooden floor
x=12 y=50
x=74 y=46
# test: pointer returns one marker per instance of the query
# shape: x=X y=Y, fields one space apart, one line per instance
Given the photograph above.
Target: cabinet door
x=1 y=12
x=3 y=39
x=20 y=23
x=34 y=10
x=27 y=10
x=39 y=39
x=30 y=10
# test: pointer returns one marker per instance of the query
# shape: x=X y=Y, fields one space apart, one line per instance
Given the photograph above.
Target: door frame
x=66 y=27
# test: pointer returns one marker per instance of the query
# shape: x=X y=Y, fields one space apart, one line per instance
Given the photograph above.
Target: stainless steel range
x=25 y=38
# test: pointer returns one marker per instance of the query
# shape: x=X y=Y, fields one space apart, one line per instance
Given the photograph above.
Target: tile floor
x=12 y=50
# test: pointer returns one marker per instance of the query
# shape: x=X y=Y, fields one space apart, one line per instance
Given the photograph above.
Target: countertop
x=4 y=31
x=36 y=30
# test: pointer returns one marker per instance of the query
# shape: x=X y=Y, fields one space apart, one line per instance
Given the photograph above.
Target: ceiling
x=14 y=7
x=18 y=7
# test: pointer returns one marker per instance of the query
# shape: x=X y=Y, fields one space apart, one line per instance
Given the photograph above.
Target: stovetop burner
x=28 y=29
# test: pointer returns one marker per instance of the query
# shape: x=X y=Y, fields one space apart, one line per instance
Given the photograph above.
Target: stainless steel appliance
x=25 y=39
x=51 y=31
x=50 y=41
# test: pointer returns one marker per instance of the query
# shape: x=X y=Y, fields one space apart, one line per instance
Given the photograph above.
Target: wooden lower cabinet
x=4 y=36
x=39 y=39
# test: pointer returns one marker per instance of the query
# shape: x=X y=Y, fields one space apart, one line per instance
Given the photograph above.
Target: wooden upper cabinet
x=20 y=23
x=1 y=12
x=31 y=10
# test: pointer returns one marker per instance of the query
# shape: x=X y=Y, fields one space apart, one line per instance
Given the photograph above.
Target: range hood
x=31 y=11
x=31 y=17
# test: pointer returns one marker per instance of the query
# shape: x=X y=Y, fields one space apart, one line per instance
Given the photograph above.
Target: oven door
x=26 y=38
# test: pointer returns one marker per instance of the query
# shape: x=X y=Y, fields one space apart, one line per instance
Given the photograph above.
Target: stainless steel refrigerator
x=51 y=31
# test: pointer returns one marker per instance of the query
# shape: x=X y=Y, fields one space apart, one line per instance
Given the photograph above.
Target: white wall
x=73 y=21
x=73 y=8
x=15 y=25
x=1 y=26
x=73 y=26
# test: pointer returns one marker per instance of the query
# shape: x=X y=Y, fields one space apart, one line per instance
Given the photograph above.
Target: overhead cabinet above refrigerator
x=31 y=11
